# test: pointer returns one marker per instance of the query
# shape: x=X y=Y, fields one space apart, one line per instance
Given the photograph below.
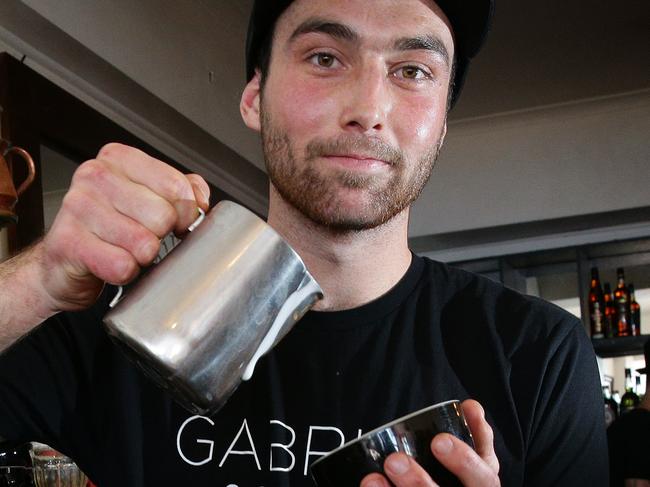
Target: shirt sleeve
x=45 y=380
x=568 y=444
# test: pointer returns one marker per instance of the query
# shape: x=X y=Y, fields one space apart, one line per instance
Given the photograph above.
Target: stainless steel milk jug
x=199 y=321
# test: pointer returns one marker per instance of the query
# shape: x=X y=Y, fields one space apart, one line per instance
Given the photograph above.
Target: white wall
x=555 y=162
x=170 y=48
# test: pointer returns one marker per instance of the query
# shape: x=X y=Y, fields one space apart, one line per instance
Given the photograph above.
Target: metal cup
x=199 y=321
x=412 y=434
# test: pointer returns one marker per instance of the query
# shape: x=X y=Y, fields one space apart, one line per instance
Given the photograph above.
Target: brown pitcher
x=8 y=192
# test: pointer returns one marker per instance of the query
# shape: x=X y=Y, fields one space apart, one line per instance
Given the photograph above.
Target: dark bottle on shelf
x=611 y=407
x=596 y=306
x=621 y=303
x=630 y=400
x=610 y=313
x=635 y=312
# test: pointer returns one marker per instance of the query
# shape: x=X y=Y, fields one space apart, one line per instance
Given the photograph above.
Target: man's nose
x=367 y=101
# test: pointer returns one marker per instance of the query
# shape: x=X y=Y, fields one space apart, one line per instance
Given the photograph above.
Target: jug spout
x=294 y=308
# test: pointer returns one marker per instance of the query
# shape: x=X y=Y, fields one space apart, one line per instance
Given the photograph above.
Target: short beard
x=316 y=195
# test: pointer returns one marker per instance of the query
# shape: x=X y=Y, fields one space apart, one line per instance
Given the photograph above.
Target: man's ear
x=249 y=106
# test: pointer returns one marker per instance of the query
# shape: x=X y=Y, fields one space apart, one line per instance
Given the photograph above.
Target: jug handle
x=289 y=306
x=191 y=228
x=31 y=168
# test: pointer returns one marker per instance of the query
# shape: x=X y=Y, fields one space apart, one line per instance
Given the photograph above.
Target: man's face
x=353 y=108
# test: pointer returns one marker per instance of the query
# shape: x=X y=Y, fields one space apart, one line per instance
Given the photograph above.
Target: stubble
x=317 y=194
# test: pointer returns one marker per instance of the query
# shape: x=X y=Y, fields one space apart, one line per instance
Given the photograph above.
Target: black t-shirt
x=439 y=334
x=629 y=447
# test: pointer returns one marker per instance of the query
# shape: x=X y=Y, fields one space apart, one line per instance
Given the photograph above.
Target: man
x=629 y=441
x=351 y=98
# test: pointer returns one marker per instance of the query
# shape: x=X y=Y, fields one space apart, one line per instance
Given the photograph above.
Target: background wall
x=572 y=159
x=189 y=54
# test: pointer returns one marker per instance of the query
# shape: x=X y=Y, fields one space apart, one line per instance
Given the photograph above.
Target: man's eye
x=412 y=72
x=323 y=59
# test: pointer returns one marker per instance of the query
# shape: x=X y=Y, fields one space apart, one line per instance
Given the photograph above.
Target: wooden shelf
x=618 y=347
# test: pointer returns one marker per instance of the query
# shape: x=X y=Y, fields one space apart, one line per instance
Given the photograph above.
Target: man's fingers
x=201 y=194
x=119 y=206
x=161 y=178
x=404 y=471
x=374 y=480
x=478 y=468
x=129 y=198
x=183 y=193
x=481 y=432
x=141 y=168
x=112 y=227
x=103 y=260
x=201 y=190
x=460 y=459
x=187 y=211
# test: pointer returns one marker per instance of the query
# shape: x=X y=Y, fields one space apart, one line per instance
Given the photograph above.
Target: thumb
x=201 y=190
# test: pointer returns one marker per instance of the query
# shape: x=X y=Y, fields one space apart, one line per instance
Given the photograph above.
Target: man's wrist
x=24 y=300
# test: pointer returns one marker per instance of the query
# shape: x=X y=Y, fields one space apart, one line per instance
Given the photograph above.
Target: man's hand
x=478 y=468
x=117 y=209
x=119 y=206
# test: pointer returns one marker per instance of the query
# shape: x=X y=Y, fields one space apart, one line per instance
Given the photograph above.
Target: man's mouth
x=355 y=154
x=357 y=161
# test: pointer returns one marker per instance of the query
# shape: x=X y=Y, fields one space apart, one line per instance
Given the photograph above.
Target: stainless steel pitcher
x=199 y=321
